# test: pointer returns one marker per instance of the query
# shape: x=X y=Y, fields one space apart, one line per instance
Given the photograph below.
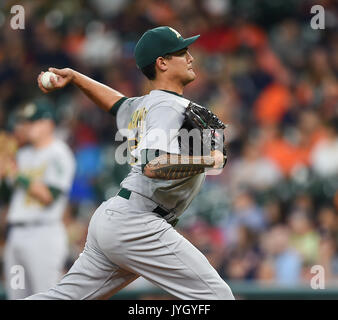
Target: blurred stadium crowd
x=272 y=214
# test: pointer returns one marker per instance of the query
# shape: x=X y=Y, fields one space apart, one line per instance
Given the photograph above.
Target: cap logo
x=29 y=110
x=176 y=32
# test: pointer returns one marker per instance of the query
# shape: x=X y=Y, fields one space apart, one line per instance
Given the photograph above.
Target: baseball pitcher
x=132 y=234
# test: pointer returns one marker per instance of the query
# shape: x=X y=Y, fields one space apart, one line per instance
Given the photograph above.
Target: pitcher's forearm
x=168 y=167
x=102 y=95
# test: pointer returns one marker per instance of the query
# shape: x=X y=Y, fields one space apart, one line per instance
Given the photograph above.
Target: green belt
x=125 y=193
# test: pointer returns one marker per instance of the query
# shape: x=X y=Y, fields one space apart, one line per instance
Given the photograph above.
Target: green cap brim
x=186 y=43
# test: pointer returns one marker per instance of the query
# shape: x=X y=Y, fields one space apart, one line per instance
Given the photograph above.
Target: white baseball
x=45 y=79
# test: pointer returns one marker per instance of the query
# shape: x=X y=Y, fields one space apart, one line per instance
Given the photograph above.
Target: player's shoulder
x=61 y=148
x=157 y=98
x=167 y=99
x=25 y=150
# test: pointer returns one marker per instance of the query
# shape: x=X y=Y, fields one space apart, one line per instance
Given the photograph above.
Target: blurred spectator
x=252 y=170
x=245 y=212
x=328 y=222
x=286 y=261
x=285 y=39
x=272 y=213
x=282 y=152
x=328 y=259
x=208 y=239
x=266 y=272
x=303 y=236
x=324 y=157
x=241 y=260
x=303 y=202
x=101 y=47
x=272 y=104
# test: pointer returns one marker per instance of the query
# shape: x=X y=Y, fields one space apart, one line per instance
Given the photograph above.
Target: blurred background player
x=40 y=179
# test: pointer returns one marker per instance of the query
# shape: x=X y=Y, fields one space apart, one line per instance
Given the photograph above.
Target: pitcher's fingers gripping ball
x=54 y=79
x=46 y=79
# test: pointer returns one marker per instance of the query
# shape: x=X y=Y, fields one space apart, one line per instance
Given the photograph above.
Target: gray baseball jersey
x=153 y=121
x=55 y=167
x=37 y=240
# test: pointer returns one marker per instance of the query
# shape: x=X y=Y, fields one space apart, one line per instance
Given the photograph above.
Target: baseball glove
x=210 y=129
x=8 y=149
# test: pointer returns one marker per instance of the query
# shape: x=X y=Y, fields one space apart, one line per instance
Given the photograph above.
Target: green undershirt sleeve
x=55 y=192
x=24 y=182
x=113 y=110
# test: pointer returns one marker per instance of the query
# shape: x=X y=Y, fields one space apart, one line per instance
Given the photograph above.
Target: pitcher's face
x=180 y=66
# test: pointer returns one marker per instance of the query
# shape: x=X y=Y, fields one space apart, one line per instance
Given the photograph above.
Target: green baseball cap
x=36 y=110
x=158 y=42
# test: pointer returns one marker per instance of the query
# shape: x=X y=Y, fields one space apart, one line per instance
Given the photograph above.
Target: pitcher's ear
x=162 y=63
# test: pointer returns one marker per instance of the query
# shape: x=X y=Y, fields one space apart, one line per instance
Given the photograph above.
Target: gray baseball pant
x=126 y=240
x=34 y=258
